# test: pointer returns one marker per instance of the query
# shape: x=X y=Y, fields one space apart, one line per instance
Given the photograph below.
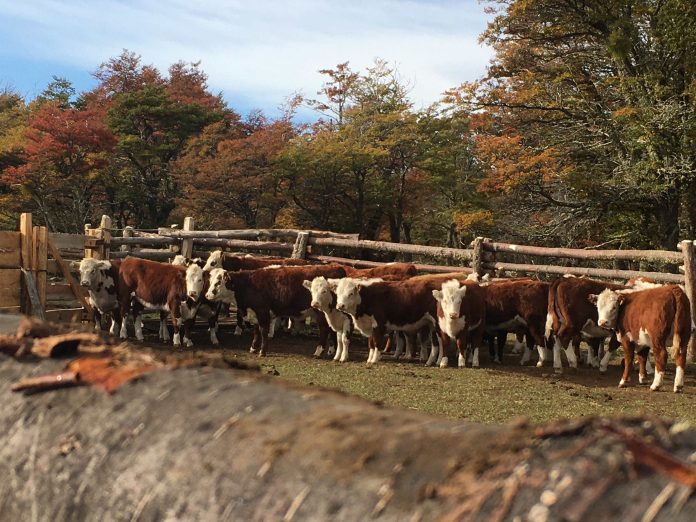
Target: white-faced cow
x=461 y=316
x=100 y=278
x=150 y=285
x=656 y=318
x=264 y=294
x=324 y=300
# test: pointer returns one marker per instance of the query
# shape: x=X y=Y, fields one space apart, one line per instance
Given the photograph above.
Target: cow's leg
x=164 y=329
x=660 y=354
x=423 y=345
x=612 y=345
x=593 y=346
x=435 y=349
x=519 y=344
x=345 y=336
x=115 y=322
x=324 y=332
x=379 y=338
x=679 y=355
x=438 y=341
x=175 y=310
x=256 y=340
x=398 y=352
x=333 y=344
x=123 y=334
x=213 y=325
x=188 y=326
x=641 y=357
x=561 y=342
x=240 y=321
x=445 y=343
x=476 y=340
x=97 y=319
x=264 y=320
x=629 y=354
x=528 y=349
x=273 y=326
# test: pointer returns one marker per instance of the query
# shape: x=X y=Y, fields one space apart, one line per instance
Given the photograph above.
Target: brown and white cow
x=518 y=305
x=324 y=300
x=378 y=307
x=145 y=284
x=264 y=294
x=571 y=317
x=655 y=318
x=461 y=316
x=100 y=278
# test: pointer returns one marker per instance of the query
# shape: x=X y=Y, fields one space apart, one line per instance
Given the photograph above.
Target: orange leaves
x=468 y=222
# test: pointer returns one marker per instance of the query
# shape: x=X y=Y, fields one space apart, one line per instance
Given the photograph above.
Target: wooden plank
x=256 y=233
x=144 y=241
x=105 y=236
x=10 y=287
x=688 y=249
x=458 y=254
x=10 y=253
x=26 y=234
x=68 y=241
x=41 y=261
x=65 y=315
x=36 y=308
x=187 y=244
x=299 y=250
x=59 y=290
x=358 y=263
x=665 y=256
x=153 y=255
x=592 y=272
x=78 y=292
x=243 y=244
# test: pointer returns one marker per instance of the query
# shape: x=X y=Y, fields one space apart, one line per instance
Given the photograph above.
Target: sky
x=256 y=52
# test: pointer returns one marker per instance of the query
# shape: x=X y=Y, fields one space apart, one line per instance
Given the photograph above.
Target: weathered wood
x=127 y=242
x=68 y=241
x=152 y=255
x=10 y=287
x=251 y=233
x=10 y=249
x=127 y=234
x=105 y=236
x=187 y=244
x=40 y=262
x=592 y=272
x=665 y=256
x=688 y=249
x=65 y=269
x=46 y=382
x=243 y=244
x=404 y=248
x=26 y=234
x=58 y=291
x=36 y=307
x=65 y=315
x=477 y=256
x=371 y=264
x=299 y=250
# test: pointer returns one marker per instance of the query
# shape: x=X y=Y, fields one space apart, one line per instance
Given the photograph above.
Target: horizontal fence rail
x=402 y=248
x=605 y=273
x=665 y=256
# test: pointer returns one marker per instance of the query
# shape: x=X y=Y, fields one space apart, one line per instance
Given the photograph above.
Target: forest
x=581 y=133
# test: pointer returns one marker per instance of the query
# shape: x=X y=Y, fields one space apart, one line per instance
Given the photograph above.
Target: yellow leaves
x=468 y=222
x=625 y=113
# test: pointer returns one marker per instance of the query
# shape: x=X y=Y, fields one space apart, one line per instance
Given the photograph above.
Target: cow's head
x=214 y=261
x=91 y=272
x=450 y=298
x=187 y=261
x=321 y=289
x=608 y=303
x=348 y=293
x=220 y=287
x=194 y=281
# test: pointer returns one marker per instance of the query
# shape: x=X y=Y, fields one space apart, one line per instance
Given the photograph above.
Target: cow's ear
x=592 y=298
x=437 y=294
x=227 y=277
x=621 y=298
x=307 y=284
x=333 y=284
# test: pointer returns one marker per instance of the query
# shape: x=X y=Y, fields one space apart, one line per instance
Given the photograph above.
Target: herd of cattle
x=392 y=305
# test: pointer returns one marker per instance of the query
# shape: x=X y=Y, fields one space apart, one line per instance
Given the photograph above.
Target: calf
x=100 y=278
x=264 y=294
x=207 y=309
x=655 y=318
x=150 y=285
x=571 y=317
x=518 y=305
x=324 y=300
x=461 y=313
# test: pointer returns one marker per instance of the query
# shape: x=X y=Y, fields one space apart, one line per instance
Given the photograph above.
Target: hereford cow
x=378 y=307
x=655 y=318
x=518 y=305
x=207 y=309
x=461 y=316
x=100 y=278
x=150 y=285
x=324 y=300
x=264 y=294
x=571 y=317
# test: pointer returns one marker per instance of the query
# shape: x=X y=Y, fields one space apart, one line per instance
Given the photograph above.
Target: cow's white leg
x=318 y=351
x=526 y=355
x=124 y=329
x=399 y=345
x=648 y=367
x=97 y=325
x=165 y=331
x=642 y=378
x=375 y=357
x=604 y=363
x=187 y=342
x=679 y=380
x=177 y=339
x=542 y=356
x=213 y=335
x=339 y=346
x=272 y=327
x=440 y=351
x=657 y=382
x=139 y=328
x=461 y=361
x=475 y=358
x=346 y=345
x=369 y=355
x=433 y=355
x=409 y=347
x=557 y=364
x=423 y=347
x=444 y=362
x=517 y=348
x=570 y=354
x=114 y=327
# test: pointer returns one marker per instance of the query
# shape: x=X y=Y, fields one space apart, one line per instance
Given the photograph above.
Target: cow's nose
x=602 y=322
x=84 y=283
x=315 y=304
x=340 y=306
x=193 y=295
x=453 y=316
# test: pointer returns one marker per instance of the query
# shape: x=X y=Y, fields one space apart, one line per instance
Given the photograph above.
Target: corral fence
x=484 y=255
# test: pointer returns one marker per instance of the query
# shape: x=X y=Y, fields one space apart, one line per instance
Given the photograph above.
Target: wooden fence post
x=40 y=262
x=127 y=232
x=187 y=244
x=26 y=241
x=105 y=236
x=477 y=257
x=299 y=250
x=688 y=248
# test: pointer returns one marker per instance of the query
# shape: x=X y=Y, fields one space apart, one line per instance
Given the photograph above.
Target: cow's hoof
x=318 y=351
x=558 y=370
x=623 y=384
x=262 y=353
x=540 y=364
x=237 y=331
x=252 y=350
x=678 y=389
x=654 y=388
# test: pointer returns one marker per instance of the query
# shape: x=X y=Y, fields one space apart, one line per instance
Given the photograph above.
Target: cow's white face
x=217 y=289
x=91 y=272
x=214 y=261
x=194 y=281
x=608 y=303
x=348 y=295
x=321 y=291
x=179 y=260
x=450 y=298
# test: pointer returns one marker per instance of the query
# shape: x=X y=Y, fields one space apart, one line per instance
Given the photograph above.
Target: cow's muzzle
x=84 y=283
x=193 y=295
x=603 y=323
x=454 y=316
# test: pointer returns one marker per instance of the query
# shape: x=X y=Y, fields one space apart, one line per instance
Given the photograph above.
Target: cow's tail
x=552 y=313
x=682 y=325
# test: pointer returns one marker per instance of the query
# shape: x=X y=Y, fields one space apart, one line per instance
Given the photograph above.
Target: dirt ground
x=490 y=394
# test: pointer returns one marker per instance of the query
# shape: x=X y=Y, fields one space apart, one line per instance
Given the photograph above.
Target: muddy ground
x=493 y=393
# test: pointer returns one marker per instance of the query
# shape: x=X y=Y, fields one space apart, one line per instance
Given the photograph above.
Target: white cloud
x=260 y=51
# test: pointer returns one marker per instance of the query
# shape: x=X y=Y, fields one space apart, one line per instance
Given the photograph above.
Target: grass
x=489 y=394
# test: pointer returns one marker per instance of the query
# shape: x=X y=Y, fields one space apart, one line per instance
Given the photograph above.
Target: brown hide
x=400 y=270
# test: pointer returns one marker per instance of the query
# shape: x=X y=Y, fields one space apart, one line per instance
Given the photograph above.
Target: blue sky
x=257 y=52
